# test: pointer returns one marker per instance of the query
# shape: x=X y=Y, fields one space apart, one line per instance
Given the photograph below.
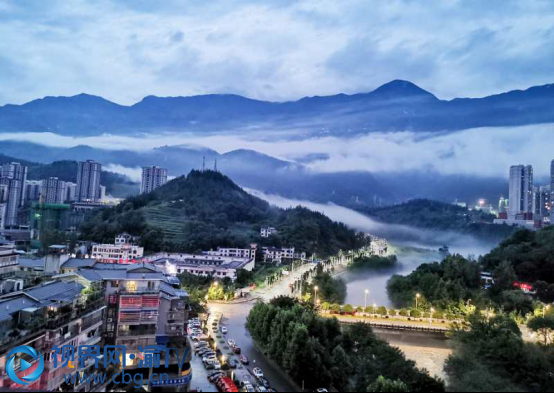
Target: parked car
x=258 y=373
x=232 y=363
x=265 y=383
x=223 y=330
x=237 y=350
x=244 y=360
x=231 y=343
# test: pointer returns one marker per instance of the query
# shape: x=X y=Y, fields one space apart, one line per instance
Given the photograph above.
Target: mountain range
x=396 y=106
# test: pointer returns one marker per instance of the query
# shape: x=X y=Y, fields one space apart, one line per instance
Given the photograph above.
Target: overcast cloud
x=271 y=49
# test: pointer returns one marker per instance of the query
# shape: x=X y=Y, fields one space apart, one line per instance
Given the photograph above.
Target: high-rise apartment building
x=552 y=192
x=88 y=181
x=53 y=191
x=152 y=178
x=71 y=192
x=14 y=176
x=521 y=190
x=33 y=189
x=541 y=202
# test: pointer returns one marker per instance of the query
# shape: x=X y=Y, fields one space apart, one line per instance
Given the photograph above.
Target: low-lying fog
x=413 y=247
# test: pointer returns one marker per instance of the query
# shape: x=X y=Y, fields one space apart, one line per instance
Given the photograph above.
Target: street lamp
x=366 y=294
x=545 y=310
x=417 y=297
x=431 y=317
x=315 y=292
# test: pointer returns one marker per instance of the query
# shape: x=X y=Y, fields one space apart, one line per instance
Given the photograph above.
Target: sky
x=271 y=49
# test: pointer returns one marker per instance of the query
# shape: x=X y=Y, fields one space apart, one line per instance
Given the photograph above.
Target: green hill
x=205 y=210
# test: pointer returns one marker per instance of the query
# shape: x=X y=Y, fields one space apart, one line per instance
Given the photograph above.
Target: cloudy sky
x=271 y=49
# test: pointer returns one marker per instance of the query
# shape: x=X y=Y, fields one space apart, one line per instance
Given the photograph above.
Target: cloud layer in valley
x=271 y=49
x=487 y=152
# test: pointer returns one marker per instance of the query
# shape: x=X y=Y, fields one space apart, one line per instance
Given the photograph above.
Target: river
x=412 y=246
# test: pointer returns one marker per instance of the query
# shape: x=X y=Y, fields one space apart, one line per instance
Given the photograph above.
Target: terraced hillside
x=206 y=210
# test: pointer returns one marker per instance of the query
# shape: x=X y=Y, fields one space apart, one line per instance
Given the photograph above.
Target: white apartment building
x=152 y=177
x=267 y=232
x=120 y=252
x=204 y=265
x=235 y=252
x=9 y=263
x=279 y=255
x=521 y=190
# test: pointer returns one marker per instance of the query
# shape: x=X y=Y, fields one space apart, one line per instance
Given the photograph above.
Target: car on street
x=244 y=360
x=237 y=350
x=265 y=383
x=232 y=363
x=258 y=373
x=231 y=343
x=224 y=330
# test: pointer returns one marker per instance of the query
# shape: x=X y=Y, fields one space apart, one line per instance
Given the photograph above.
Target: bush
x=382 y=311
x=348 y=309
x=403 y=313
x=335 y=308
x=415 y=314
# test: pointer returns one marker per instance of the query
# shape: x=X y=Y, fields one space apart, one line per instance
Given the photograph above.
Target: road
x=234 y=318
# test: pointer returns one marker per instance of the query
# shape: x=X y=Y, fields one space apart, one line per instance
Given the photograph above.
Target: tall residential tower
x=13 y=176
x=88 y=181
x=521 y=190
x=152 y=178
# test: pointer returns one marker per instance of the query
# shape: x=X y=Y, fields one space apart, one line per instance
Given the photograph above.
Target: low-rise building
x=9 y=261
x=120 y=252
x=54 y=314
x=204 y=265
x=281 y=255
x=235 y=252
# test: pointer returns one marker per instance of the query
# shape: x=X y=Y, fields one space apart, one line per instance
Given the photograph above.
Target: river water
x=413 y=247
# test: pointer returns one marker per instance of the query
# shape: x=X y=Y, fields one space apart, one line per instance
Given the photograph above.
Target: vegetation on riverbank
x=329 y=289
x=493 y=357
x=315 y=350
x=434 y=215
x=374 y=262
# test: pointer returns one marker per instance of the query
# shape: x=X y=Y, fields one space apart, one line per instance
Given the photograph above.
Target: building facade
x=281 y=255
x=249 y=253
x=542 y=202
x=52 y=315
x=88 y=181
x=521 y=191
x=13 y=176
x=53 y=191
x=152 y=178
x=552 y=192
x=267 y=232
x=33 y=189
x=204 y=265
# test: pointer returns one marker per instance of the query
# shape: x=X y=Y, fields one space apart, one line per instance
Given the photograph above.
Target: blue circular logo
x=24 y=365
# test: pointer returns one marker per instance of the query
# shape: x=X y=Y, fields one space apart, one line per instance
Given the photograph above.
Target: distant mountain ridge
x=395 y=106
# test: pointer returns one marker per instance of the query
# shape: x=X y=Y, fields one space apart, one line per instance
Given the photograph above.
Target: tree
x=335 y=307
x=544 y=327
x=348 y=309
x=387 y=386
